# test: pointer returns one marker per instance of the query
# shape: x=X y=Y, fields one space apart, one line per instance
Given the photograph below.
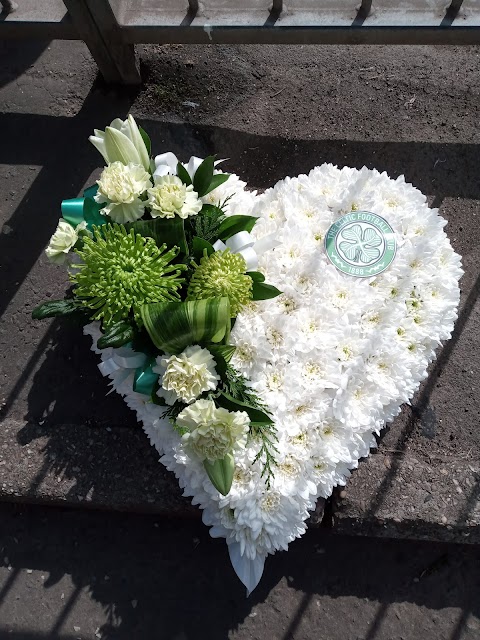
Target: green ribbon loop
x=77 y=210
x=145 y=379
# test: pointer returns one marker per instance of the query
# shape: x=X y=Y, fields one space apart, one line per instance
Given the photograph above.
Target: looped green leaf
x=168 y=231
x=172 y=326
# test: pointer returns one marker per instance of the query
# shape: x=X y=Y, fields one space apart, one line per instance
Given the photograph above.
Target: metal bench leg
x=97 y=26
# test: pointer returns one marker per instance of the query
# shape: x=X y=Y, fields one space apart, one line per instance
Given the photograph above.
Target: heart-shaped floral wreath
x=259 y=397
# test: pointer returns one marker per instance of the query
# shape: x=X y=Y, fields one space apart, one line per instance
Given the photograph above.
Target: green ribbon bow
x=77 y=210
x=145 y=379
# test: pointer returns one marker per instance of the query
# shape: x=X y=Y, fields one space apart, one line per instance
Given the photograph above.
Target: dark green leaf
x=169 y=231
x=198 y=247
x=234 y=224
x=220 y=473
x=263 y=291
x=116 y=335
x=55 y=308
x=183 y=174
x=227 y=401
x=173 y=326
x=217 y=180
x=203 y=176
x=256 y=276
x=146 y=140
x=223 y=354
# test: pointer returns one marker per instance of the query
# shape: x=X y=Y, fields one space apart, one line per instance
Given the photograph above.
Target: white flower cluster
x=334 y=357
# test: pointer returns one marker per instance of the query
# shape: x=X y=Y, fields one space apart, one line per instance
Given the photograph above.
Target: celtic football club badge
x=361 y=244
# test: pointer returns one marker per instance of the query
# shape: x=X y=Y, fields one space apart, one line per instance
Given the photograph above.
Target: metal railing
x=112 y=28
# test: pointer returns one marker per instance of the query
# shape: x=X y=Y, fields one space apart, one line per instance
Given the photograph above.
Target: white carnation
x=62 y=241
x=170 y=197
x=119 y=188
x=186 y=376
x=212 y=431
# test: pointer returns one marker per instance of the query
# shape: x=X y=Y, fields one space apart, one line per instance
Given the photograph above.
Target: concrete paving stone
x=273 y=111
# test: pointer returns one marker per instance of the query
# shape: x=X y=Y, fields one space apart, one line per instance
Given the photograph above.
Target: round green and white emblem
x=361 y=244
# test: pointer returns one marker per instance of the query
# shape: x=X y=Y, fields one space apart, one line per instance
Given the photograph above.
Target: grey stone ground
x=84 y=575
x=273 y=111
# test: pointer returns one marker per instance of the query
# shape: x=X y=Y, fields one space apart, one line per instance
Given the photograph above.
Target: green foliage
x=264 y=431
x=264 y=291
x=117 y=335
x=266 y=435
x=206 y=224
x=146 y=140
x=203 y=176
x=54 y=308
x=222 y=354
x=217 y=180
x=183 y=174
x=199 y=247
x=169 y=232
x=234 y=224
x=256 y=276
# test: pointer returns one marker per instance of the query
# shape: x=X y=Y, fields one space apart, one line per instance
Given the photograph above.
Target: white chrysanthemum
x=213 y=431
x=170 y=197
x=120 y=187
x=186 y=376
x=62 y=241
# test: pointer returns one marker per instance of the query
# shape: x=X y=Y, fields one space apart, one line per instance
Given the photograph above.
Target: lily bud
x=122 y=142
x=220 y=473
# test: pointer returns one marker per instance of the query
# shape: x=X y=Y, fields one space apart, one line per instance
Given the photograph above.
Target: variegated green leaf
x=172 y=326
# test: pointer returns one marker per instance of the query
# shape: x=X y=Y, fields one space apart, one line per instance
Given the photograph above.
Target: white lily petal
x=162 y=170
x=120 y=148
x=166 y=163
x=136 y=137
x=99 y=143
x=249 y=571
x=193 y=165
x=118 y=124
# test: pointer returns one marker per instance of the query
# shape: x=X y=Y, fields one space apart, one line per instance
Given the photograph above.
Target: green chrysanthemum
x=222 y=274
x=122 y=270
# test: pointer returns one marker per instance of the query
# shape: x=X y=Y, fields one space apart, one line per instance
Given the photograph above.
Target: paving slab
x=83 y=575
x=273 y=111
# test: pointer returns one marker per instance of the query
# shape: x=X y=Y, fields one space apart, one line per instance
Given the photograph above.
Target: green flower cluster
x=122 y=270
x=222 y=274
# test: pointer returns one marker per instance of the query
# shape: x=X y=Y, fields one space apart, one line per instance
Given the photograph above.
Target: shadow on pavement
x=173 y=582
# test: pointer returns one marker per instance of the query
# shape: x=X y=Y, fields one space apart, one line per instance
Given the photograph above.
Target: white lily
x=122 y=142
